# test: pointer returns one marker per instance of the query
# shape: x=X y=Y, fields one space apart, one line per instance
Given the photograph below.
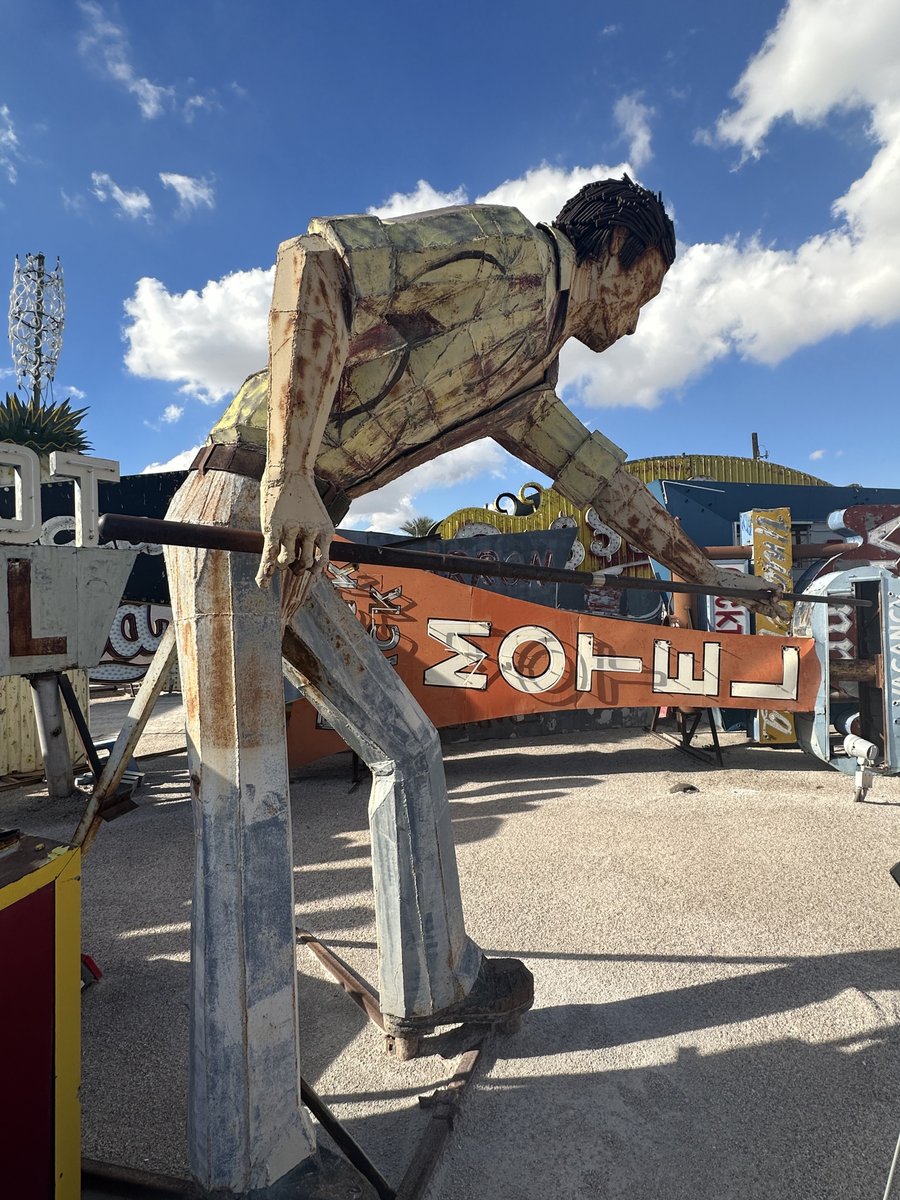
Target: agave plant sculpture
x=42 y=427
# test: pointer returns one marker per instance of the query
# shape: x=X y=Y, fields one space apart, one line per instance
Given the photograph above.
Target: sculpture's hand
x=769 y=605
x=297 y=530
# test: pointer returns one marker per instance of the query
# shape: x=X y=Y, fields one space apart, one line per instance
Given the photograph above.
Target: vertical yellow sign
x=773 y=558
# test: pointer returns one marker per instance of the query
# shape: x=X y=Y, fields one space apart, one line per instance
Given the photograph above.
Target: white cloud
x=192 y=193
x=104 y=43
x=132 y=204
x=74 y=204
x=609 y=30
x=180 y=462
x=207 y=341
x=821 y=55
x=423 y=198
x=387 y=508
x=172 y=413
x=9 y=145
x=195 y=104
x=741 y=297
x=633 y=119
x=75 y=393
x=755 y=300
x=817 y=454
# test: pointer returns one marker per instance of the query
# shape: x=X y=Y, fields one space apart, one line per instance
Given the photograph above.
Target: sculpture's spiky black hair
x=589 y=219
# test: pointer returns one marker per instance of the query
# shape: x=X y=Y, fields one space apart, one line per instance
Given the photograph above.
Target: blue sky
x=163 y=150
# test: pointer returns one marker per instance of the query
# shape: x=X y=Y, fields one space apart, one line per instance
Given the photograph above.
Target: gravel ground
x=716 y=971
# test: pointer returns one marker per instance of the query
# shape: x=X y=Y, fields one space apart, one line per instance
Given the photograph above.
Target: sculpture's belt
x=251 y=461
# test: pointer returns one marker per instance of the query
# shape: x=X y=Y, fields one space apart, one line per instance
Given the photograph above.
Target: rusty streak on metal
x=356 y=988
x=218 y=537
x=854 y=670
x=18 y=591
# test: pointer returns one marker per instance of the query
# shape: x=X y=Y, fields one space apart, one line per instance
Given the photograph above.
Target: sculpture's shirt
x=451 y=313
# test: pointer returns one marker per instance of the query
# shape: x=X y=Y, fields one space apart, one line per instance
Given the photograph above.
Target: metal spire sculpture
x=37 y=306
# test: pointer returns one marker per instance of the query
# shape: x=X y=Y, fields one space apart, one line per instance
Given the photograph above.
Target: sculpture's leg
x=246 y=1127
x=426 y=961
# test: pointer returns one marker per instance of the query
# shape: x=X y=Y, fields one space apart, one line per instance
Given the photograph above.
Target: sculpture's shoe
x=503 y=991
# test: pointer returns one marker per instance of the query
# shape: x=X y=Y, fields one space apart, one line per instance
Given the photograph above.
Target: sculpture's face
x=609 y=299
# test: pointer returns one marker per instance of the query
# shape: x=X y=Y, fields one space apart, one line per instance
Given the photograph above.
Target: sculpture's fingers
x=307 y=554
x=323 y=544
x=290 y=536
x=267 y=561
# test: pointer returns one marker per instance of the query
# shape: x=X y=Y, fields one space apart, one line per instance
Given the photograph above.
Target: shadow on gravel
x=778 y=1121
x=793 y=985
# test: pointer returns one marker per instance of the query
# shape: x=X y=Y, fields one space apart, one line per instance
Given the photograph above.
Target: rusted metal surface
x=444 y=1105
x=217 y=537
x=845 y=671
x=246 y=1126
x=874 y=530
x=358 y=989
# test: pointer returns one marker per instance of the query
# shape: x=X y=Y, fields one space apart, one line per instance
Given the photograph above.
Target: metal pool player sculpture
x=390 y=342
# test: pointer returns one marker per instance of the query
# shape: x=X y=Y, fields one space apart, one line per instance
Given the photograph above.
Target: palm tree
x=41 y=427
x=418 y=526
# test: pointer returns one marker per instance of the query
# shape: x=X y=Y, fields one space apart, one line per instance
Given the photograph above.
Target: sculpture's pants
x=245 y=1124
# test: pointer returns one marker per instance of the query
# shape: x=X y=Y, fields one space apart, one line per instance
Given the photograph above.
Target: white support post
x=51 y=727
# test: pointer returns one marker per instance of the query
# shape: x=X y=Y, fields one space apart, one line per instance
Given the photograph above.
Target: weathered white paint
x=462 y=669
x=426 y=961
x=683 y=682
x=531 y=635
x=246 y=1126
x=86 y=472
x=72 y=595
x=25 y=525
x=588 y=662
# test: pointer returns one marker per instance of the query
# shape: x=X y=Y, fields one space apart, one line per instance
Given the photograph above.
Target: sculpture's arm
x=308 y=340
x=587 y=470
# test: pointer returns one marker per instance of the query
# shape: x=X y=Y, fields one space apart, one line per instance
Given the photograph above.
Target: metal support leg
x=129 y=736
x=51 y=727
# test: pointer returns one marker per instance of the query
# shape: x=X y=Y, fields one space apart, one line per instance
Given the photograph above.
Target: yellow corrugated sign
x=770 y=533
